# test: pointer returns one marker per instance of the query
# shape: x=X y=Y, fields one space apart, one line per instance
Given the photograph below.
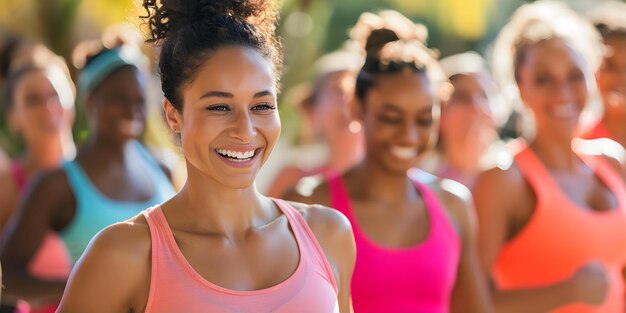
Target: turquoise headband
x=107 y=62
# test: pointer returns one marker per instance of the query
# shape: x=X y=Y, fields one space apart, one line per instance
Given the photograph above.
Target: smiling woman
x=218 y=245
x=234 y=116
x=414 y=235
x=552 y=224
x=111 y=179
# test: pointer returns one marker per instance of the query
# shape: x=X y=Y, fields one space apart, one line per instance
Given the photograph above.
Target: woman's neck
x=49 y=152
x=555 y=154
x=377 y=183
x=105 y=149
x=212 y=207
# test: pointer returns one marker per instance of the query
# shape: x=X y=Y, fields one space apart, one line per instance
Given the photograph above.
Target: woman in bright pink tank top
x=414 y=234
x=218 y=245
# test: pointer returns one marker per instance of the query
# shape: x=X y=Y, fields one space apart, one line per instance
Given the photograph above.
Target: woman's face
x=37 y=110
x=117 y=106
x=611 y=76
x=229 y=123
x=399 y=120
x=552 y=84
x=331 y=116
x=467 y=126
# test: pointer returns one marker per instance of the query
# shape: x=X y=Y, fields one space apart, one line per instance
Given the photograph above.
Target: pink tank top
x=176 y=287
x=402 y=280
x=51 y=261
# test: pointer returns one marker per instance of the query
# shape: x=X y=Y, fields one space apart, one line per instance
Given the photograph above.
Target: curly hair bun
x=164 y=17
x=373 y=31
x=114 y=36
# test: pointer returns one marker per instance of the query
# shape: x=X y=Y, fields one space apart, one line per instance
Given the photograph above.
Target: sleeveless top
x=420 y=278
x=176 y=287
x=597 y=131
x=561 y=237
x=51 y=260
x=95 y=211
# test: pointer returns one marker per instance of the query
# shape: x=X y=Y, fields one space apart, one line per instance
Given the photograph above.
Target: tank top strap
x=339 y=198
x=156 y=222
x=163 y=188
x=597 y=131
x=309 y=246
x=78 y=181
x=608 y=175
x=536 y=174
x=158 y=248
x=147 y=156
x=19 y=175
x=435 y=209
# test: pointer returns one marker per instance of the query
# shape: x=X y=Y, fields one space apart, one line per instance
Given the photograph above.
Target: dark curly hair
x=189 y=31
x=392 y=44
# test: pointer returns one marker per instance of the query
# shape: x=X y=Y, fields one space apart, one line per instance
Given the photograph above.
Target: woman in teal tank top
x=112 y=178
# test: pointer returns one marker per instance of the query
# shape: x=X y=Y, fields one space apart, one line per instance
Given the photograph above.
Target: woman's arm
x=470 y=291
x=37 y=213
x=113 y=275
x=10 y=195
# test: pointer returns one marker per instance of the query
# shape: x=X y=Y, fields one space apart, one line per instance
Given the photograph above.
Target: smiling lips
x=404 y=153
x=237 y=156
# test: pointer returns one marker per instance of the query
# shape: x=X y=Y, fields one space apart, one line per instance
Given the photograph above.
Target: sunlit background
x=309 y=28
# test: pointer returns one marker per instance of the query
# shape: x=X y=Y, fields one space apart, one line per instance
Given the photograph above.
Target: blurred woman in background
x=553 y=223
x=39 y=106
x=111 y=179
x=468 y=133
x=330 y=139
x=608 y=18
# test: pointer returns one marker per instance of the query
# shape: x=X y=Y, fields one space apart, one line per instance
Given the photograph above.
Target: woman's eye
x=542 y=80
x=218 y=107
x=577 y=77
x=264 y=107
x=32 y=101
x=390 y=120
x=425 y=122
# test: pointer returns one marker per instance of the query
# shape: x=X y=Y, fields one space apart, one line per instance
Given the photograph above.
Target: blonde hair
x=539 y=22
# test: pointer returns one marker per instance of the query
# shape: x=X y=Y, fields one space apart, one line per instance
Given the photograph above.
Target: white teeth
x=236 y=154
x=403 y=152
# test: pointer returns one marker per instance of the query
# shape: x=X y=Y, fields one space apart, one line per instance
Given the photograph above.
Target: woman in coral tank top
x=608 y=18
x=552 y=223
x=414 y=234
x=218 y=245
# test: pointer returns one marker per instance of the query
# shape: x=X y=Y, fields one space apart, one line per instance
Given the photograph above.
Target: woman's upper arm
x=470 y=291
x=36 y=214
x=9 y=194
x=494 y=196
x=112 y=273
